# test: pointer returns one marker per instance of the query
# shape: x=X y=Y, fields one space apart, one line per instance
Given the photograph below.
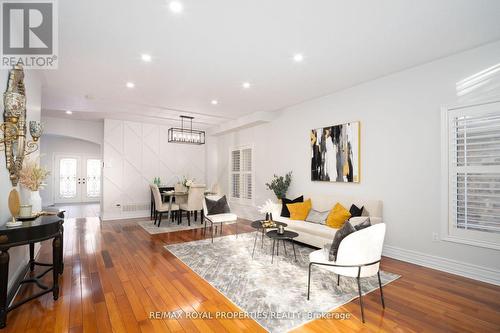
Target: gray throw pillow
x=316 y=216
x=217 y=206
x=342 y=233
x=365 y=224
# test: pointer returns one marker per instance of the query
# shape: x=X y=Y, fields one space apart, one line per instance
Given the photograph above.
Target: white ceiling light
x=175 y=6
x=146 y=57
x=298 y=57
x=246 y=85
x=214 y=102
x=69 y=112
x=130 y=85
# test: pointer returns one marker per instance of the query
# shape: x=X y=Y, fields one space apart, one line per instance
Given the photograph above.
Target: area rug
x=275 y=295
x=167 y=226
x=171 y=226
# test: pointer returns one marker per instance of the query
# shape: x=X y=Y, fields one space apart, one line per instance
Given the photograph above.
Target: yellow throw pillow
x=299 y=210
x=337 y=217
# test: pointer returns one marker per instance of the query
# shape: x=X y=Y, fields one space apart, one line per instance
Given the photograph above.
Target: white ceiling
x=207 y=51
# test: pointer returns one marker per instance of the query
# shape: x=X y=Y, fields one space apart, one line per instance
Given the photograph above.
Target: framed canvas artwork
x=335 y=153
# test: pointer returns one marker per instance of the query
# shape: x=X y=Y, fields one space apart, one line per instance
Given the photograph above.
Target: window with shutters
x=473 y=166
x=241 y=175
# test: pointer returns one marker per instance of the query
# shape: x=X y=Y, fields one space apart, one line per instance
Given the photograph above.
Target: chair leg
x=202 y=216
x=154 y=215
x=189 y=218
x=361 y=300
x=309 y=282
x=381 y=292
x=338 y=280
x=159 y=221
x=195 y=215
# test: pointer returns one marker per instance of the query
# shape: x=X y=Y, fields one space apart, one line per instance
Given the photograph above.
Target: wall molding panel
x=134 y=154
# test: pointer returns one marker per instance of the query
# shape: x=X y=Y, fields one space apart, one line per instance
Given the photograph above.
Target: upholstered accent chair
x=194 y=202
x=213 y=219
x=160 y=206
x=358 y=256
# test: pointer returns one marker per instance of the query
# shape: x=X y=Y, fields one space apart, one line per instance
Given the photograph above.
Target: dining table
x=178 y=194
x=171 y=195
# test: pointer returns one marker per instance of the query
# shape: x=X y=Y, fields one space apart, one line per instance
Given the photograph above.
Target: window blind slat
x=474 y=150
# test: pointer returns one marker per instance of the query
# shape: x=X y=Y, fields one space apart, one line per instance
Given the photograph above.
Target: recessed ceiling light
x=130 y=84
x=175 y=6
x=246 y=85
x=69 y=112
x=298 y=57
x=146 y=57
x=214 y=102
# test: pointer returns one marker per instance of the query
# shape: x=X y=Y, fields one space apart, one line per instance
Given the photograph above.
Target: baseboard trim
x=480 y=273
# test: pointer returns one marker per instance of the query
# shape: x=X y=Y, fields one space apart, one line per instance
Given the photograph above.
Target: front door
x=77 y=178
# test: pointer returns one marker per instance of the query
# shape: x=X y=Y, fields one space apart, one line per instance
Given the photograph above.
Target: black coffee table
x=286 y=235
x=258 y=225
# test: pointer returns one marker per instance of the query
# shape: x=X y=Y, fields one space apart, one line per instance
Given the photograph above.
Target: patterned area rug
x=275 y=295
x=167 y=226
x=172 y=226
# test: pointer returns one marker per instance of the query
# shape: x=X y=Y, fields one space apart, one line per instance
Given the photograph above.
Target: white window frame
x=241 y=200
x=448 y=231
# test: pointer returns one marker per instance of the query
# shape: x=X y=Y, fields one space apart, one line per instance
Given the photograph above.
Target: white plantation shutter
x=241 y=178
x=474 y=172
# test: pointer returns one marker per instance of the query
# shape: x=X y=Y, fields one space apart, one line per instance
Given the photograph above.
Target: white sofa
x=318 y=235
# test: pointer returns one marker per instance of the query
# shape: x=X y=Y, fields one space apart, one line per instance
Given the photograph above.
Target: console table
x=29 y=233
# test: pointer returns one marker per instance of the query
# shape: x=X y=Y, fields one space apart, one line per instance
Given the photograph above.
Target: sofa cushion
x=316 y=216
x=365 y=224
x=356 y=211
x=342 y=233
x=303 y=227
x=299 y=210
x=284 y=209
x=337 y=216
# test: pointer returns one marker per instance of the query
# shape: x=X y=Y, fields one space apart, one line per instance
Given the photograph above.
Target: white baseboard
x=471 y=271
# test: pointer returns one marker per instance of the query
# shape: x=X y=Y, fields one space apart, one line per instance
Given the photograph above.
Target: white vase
x=36 y=202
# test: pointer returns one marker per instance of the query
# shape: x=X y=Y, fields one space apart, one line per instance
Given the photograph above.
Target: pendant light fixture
x=186 y=133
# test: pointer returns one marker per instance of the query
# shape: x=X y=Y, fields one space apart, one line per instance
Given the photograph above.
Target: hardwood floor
x=116 y=274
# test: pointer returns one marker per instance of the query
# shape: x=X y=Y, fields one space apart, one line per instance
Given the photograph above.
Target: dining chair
x=358 y=256
x=194 y=202
x=217 y=218
x=162 y=207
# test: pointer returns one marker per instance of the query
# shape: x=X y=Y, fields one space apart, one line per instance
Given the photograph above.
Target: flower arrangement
x=279 y=184
x=187 y=182
x=32 y=176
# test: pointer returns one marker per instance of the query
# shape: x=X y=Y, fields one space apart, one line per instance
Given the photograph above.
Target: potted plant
x=32 y=177
x=280 y=184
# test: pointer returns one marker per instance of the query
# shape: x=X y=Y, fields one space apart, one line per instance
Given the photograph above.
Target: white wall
x=19 y=256
x=400 y=149
x=52 y=145
x=134 y=154
x=88 y=130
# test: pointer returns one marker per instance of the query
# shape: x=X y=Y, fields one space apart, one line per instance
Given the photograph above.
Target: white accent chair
x=358 y=256
x=217 y=218
x=194 y=203
x=160 y=206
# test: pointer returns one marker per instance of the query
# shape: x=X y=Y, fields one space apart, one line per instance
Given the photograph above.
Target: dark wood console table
x=29 y=233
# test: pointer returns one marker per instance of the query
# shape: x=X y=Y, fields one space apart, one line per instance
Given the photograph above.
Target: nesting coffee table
x=286 y=235
x=258 y=225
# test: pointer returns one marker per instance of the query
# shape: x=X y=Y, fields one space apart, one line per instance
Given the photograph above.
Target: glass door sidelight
x=77 y=179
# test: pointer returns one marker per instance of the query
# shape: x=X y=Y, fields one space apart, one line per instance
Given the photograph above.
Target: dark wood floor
x=116 y=274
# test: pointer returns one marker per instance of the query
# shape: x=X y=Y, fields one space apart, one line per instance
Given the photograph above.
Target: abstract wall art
x=335 y=153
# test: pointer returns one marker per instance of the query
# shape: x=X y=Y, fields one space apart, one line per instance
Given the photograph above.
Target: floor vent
x=135 y=207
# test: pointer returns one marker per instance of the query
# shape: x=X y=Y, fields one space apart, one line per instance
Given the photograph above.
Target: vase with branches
x=280 y=184
x=32 y=176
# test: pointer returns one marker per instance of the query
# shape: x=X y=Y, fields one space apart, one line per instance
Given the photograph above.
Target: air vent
x=135 y=207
